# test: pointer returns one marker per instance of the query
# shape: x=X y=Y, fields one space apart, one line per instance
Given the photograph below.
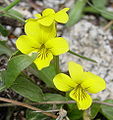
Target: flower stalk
x=27 y=106
x=83 y=57
x=56 y=63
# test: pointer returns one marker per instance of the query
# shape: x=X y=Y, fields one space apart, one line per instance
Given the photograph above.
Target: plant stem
x=16 y=17
x=86 y=115
x=99 y=10
x=27 y=106
x=6 y=12
x=76 y=12
x=53 y=102
x=56 y=62
x=83 y=57
x=11 y=5
x=90 y=10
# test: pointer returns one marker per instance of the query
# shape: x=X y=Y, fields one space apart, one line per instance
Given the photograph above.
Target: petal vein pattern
x=39 y=39
x=82 y=82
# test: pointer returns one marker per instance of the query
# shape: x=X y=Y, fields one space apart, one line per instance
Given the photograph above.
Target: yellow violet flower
x=42 y=40
x=80 y=84
x=49 y=16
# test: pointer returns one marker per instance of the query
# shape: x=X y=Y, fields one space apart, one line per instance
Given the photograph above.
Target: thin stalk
x=27 y=106
x=106 y=27
x=16 y=17
x=83 y=57
x=86 y=115
x=91 y=10
x=56 y=62
x=53 y=102
x=10 y=5
x=100 y=10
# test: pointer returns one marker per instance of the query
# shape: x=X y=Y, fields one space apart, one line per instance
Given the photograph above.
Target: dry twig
x=106 y=27
x=27 y=106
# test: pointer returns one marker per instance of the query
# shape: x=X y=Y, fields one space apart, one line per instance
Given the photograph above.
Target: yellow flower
x=49 y=16
x=80 y=84
x=42 y=40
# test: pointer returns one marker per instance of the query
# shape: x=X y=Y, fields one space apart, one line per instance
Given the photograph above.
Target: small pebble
x=17 y=31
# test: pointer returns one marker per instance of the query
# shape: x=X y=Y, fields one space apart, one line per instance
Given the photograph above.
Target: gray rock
x=17 y=31
x=53 y=3
x=91 y=41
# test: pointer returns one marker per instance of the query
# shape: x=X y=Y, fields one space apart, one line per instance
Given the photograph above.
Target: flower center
x=43 y=52
x=80 y=93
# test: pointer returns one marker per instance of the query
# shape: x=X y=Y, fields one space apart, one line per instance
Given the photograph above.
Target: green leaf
x=2 y=86
x=14 y=12
x=100 y=3
x=28 y=89
x=47 y=74
x=107 y=14
x=15 y=66
x=4 y=49
x=102 y=11
x=95 y=108
x=11 y=5
x=15 y=53
x=89 y=9
x=74 y=113
x=107 y=111
x=54 y=97
x=15 y=15
x=3 y=31
x=76 y=12
x=31 y=115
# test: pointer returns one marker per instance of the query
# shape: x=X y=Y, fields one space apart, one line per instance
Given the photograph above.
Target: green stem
x=11 y=5
x=91 y=10
x=86 y=115
x=83 y=57
x=76 y=12
x=16 y=17
x=56 y=62
x=56 y=102
x=104 y=11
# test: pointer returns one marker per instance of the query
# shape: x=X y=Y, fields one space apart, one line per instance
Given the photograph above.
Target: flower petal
x=93 y=83
x=39 y=32
x=47 y=17
x=61 y=16
x=26 y=45
x=48 y=11
x=57 y=45
x=38 y=15
x=42 y=62
x=76 y=71
x=63 y=82
x=83 y=100
x=46 y=20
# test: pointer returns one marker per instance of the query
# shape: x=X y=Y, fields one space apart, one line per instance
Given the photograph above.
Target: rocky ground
x=91 y=41
x=85 y=38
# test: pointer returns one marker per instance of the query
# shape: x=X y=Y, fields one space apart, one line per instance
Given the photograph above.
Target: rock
x=91 y=41
x=17 y=31
x=53 y=3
